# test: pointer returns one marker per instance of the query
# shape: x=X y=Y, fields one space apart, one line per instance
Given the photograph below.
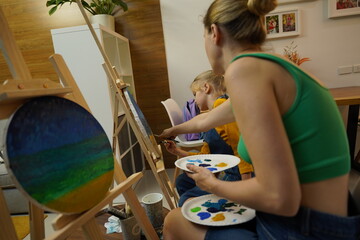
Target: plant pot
x=130 y=228
x=152 y=203
x=104 y=19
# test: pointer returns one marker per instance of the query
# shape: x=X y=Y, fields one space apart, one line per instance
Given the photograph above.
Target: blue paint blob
x=213 y=209
x=194 y=161
x=204 y=165
x=204 y=215
x=212 y=169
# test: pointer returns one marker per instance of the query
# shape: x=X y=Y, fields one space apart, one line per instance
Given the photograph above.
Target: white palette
x=211 y=210
x=214 y=162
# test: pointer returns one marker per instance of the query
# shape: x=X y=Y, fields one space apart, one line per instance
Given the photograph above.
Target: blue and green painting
x=59 y=154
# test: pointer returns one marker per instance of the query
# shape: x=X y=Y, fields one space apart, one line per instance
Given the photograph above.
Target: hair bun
x=261 y=7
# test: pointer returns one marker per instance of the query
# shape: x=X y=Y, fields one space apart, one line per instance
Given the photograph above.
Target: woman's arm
x=275 y=188
x=203 y=122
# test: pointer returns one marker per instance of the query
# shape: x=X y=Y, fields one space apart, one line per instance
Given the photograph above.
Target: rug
x=22 y=225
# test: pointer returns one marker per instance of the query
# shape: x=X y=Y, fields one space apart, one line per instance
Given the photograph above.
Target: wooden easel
x=13 y=93
x=152 y=153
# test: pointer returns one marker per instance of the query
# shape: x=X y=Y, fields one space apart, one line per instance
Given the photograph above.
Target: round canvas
x=211 y=210
x=214 y=162
x=58 y=155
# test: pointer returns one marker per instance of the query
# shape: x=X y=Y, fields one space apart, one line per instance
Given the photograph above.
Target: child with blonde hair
x=209 y=91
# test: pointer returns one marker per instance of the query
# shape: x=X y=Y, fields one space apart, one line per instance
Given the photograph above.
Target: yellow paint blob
x=218 y=217
x=221 y=165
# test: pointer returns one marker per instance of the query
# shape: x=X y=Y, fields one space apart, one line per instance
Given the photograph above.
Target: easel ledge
x=14 y=92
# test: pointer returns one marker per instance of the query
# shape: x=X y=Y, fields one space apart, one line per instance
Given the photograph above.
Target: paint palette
x=211 y=210
x=214 y=162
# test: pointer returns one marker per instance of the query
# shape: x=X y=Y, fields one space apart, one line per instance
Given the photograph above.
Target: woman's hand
x=167 y=134
x=203 y=177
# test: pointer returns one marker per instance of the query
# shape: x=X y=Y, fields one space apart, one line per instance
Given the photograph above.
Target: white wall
x=328 y=42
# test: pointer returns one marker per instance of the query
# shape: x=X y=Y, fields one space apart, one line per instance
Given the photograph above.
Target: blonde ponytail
x=242 y=19
x=261 y=7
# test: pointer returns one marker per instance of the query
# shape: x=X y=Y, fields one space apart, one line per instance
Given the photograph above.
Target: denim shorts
x=187 y=188
x=306 y=225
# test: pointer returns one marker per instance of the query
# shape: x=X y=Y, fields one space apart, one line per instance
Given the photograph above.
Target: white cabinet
x=84 y=59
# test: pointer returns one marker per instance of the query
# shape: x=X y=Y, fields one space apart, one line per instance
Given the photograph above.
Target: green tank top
x=314 y=127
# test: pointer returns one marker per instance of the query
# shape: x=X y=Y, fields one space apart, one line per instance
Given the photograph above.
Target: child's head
x=242 y=19
x=206 y=87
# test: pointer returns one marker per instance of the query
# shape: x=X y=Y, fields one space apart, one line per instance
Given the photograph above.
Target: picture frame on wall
x=341 y=8
x=284 y=23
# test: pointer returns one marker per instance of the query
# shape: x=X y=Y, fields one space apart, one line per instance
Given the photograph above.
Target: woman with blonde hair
x=291 y=131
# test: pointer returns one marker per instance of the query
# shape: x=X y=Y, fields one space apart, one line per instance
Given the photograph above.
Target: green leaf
x=122 y=4
x=52 y=10
x=49 y=3
x=95 y=6
x=85 y=4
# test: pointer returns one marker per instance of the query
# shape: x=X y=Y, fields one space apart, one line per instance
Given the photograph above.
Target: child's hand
x=203 y=177
x=171 y=147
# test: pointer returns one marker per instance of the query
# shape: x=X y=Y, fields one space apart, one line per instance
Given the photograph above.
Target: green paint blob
x=241 y=211
x=196 y=209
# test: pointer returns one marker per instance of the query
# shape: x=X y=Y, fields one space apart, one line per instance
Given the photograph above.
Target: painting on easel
x=141 y=121
x=55 y=135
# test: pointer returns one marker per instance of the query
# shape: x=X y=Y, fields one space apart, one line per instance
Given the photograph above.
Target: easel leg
x=140 y=214
x=176 y=174
x=163 y=180
x=91 y=230
x=135 y=205
x=37 y=229
x=7 y=229
x=169 y=186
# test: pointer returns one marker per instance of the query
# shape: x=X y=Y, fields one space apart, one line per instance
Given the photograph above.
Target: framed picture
x=340 y=8
x=283 y=23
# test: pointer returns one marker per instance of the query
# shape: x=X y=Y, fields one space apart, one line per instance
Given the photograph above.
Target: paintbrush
x=167 y=139
x=116 y=212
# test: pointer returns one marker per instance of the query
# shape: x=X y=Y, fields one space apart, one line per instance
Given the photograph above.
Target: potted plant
x=98 y=9
x=291 y=53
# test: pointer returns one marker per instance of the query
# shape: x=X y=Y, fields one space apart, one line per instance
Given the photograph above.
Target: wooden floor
x=101 y=219
x=145 y=186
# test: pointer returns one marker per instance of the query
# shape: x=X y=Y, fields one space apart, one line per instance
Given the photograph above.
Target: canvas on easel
x=140 y=119
x=137 y=121
x=57 y=153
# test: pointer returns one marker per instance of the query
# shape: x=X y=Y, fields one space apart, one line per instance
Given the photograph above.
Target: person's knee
x=170 y=223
